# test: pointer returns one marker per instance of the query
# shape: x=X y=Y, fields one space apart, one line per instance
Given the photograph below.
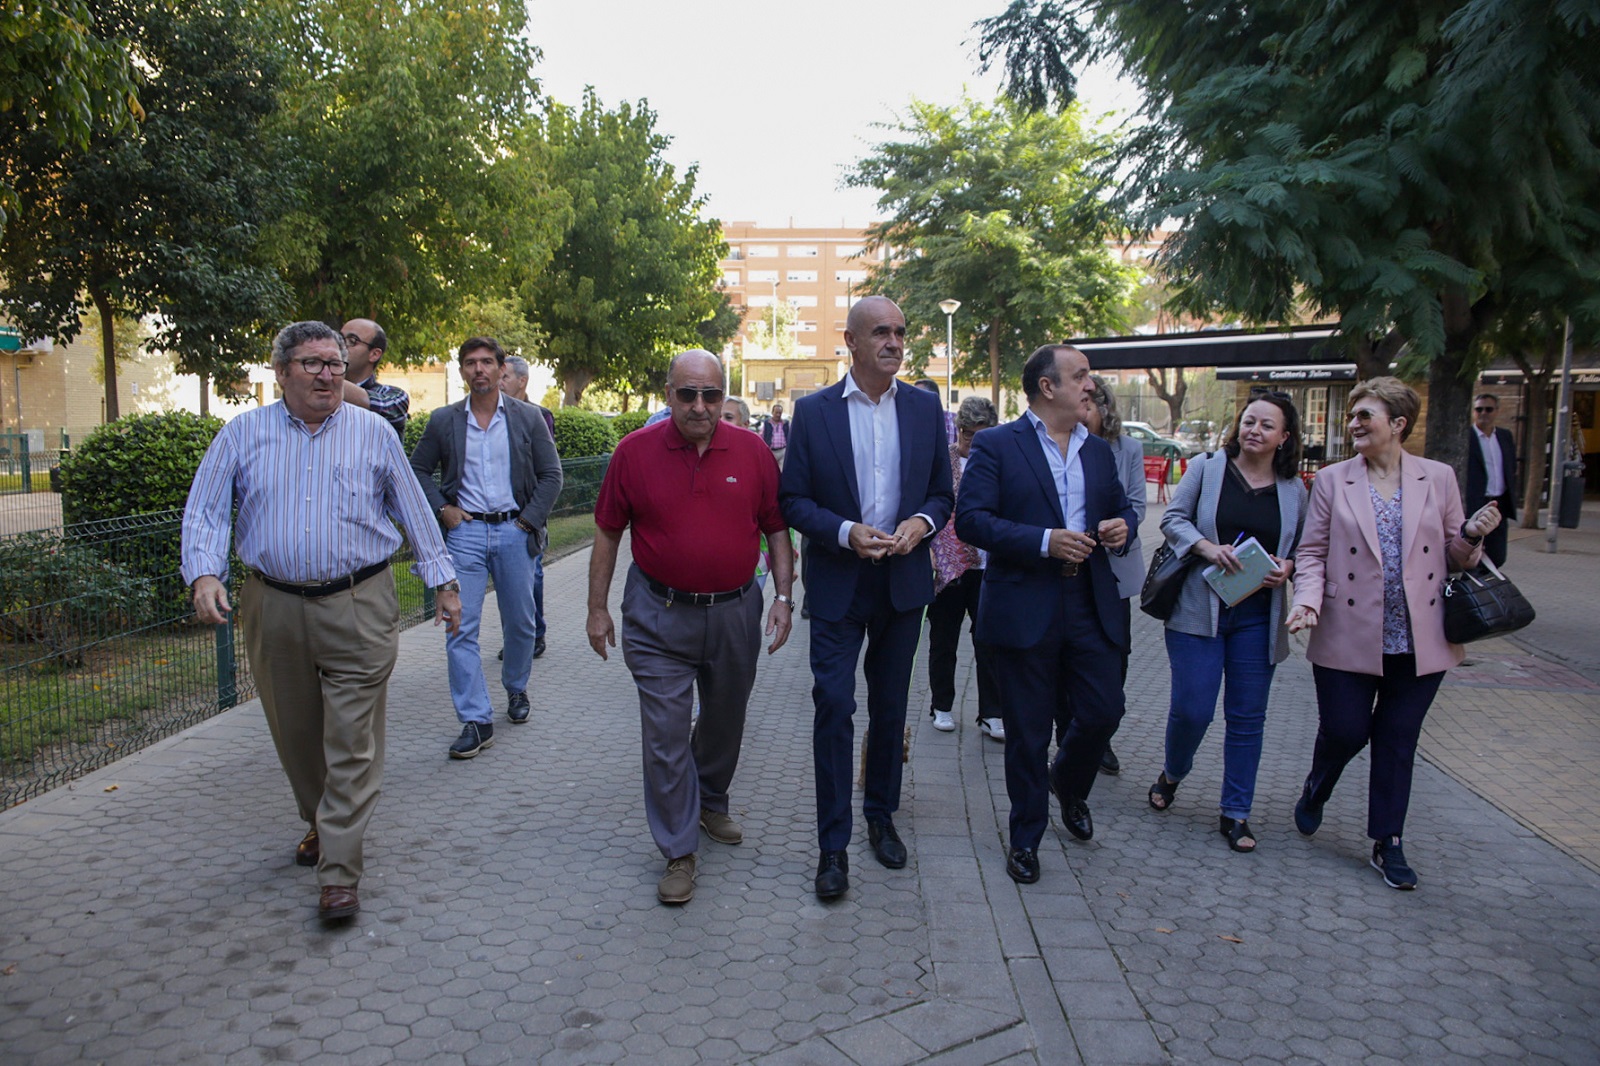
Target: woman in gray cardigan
x=1251 y=488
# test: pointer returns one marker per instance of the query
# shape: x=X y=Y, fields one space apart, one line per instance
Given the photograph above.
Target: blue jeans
x=538 y=596
x=481 y=550
x=1241 y=650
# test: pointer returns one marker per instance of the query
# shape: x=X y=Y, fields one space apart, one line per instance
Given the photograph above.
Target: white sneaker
x=992 y=728
x=943 y=722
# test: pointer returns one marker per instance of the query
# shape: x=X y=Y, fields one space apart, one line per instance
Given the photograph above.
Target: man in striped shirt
x=316 y=482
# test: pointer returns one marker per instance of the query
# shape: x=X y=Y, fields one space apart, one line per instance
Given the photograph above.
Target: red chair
x=1158 y=469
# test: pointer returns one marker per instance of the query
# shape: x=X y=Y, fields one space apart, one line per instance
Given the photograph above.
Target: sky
x=774 y=101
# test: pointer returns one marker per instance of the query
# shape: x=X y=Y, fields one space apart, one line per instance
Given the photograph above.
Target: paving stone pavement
x=153 y=912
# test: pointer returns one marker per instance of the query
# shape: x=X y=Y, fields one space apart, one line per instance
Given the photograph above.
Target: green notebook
x=1255 y=564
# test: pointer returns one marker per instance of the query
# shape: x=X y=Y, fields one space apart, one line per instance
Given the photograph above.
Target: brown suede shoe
x=338 y=901
x=310 y=849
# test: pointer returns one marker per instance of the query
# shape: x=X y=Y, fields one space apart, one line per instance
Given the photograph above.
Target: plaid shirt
x=389 y=402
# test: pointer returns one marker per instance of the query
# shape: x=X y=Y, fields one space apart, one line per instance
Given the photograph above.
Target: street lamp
x=949 y=307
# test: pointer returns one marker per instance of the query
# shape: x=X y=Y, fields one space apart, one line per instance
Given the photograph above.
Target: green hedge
x=628 y=421
x=137 y=464
x=581 y=433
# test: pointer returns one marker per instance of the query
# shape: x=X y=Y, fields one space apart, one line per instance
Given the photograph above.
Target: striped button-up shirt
x=313 y=506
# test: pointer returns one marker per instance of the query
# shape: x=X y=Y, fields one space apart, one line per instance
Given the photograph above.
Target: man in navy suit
x=1042 y=496
x=1491 y=472
x=867 y=480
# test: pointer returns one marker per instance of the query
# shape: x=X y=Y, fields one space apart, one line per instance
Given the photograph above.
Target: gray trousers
x=670 y=650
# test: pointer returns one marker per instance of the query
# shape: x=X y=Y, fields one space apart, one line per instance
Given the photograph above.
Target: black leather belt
x=494 y=518
x=695 y=599
x=325 y=588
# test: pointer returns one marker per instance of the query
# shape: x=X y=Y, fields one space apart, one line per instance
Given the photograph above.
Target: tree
x=415 y=196
x=1382 y=163
x=760 y=335
x=634 y=277
x=163 y=218
x=61 y=79
x=999 y=209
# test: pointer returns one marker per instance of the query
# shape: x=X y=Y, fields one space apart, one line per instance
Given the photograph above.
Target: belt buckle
x=1069 y=569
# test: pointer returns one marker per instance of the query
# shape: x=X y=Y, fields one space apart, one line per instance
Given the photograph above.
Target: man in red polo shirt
x=698 y=497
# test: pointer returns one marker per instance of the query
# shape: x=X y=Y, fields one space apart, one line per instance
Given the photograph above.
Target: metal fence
x=100 y=653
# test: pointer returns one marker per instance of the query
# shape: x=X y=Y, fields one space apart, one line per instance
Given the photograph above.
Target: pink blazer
x=1339 y=566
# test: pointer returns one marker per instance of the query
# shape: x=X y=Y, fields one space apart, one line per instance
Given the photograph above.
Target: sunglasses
x=688 y=395
x=1486 y=410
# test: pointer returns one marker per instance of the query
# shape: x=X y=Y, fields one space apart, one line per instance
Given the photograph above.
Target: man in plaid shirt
x=366 y=342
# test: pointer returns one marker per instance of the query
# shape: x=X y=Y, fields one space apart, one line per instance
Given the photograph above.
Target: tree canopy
x=1001 y=209
x=634 y=277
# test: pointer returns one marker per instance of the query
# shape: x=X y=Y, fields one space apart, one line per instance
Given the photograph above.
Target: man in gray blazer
x=498 y=477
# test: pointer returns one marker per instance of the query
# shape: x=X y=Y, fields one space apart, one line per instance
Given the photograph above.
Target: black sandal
x=1238 y=831
x=1163 y=790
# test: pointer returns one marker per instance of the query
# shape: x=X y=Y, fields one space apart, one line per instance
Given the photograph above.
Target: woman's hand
x=1484 y=521
x=1218 y=555
x=1279 y=574
x=1302 y=618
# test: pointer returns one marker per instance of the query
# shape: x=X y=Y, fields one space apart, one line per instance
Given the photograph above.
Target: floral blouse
x=1396 y=619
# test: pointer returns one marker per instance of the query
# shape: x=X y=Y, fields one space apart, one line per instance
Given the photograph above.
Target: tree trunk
x=205 y=394
x=1372 y=359
x=1536 y=417
x=994 y=363
x=1450 y=387
x=573 y=384
x=108 y=350
x=1173 y=398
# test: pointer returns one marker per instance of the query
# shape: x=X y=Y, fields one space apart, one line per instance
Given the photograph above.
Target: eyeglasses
x=1486 y=410
x=316 y=366
x=687 y=395
x=1364 y=416
x=351 y=338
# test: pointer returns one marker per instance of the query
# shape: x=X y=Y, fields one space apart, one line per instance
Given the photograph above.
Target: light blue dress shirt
x=486 y=467
x=1067 y=473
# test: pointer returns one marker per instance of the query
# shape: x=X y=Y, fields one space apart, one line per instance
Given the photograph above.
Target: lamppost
x=949 y=307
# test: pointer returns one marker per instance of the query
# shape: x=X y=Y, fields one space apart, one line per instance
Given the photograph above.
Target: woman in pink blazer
x=1383 y=531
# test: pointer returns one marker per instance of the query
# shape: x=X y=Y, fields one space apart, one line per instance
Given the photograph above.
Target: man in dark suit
x=1491 y=472
x=867 y=480
x=1042 y=496
x=499 y=477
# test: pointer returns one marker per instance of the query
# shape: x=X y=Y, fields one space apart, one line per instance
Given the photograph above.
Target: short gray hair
x=976 y=411
x=517 y=365
x=292 y=336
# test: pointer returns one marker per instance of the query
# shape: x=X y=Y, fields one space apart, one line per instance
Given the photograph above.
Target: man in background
x=365 y=343
x=514 y=382
x=1491 y=472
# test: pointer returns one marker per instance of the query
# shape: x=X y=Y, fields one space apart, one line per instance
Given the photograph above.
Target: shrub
x=628 y=421
x=64 y=596
x=135 y=465
x=580 y=433
x=417 y=425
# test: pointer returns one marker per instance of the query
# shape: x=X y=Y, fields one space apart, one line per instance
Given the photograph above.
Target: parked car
x=1155 y=445
x=1198 y=434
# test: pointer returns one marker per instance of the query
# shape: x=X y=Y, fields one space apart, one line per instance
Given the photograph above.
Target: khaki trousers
x=322 y=667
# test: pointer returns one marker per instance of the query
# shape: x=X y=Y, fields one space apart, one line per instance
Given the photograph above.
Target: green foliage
x=160 y=219
x=66 y=596
x=415 y=427
x=634 y=276
x=760 y=334
x=582 y=433
x=415 y=195
x=135 y=465
x=62 y=77
x=1000 y=209
x=629 y=421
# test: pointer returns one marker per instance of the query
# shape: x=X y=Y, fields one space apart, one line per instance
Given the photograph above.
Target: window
x=763 y=277
x=801 y=275
x=757 y=300
x=848 y=251
x=846 y=301
x=805 y=327
x=764 y=390
x=806 y=350
x=802 y=301
x=803 y=251
x=838 y=325
x=762 y=251
x=841 y=352
x=735 y=252
x=732 y=277
x=850 y=277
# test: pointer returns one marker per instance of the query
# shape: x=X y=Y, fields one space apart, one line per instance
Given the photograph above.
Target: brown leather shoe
x=338 y=901
x=310 y=849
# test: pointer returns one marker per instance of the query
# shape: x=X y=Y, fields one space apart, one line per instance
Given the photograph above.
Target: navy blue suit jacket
x=1008 y=500
x=819 y=491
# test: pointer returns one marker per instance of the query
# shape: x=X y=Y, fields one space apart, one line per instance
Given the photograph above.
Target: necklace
x=1385 y=475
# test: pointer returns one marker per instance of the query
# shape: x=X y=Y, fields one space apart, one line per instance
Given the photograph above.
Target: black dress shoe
x=538 y=647
x=517 y=707
x=886 y=844
x=833 y=875
x=1023 y=865
x=1075 y=813
x=1109 y=763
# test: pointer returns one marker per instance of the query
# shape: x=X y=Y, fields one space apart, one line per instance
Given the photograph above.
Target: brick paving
x=153 y=912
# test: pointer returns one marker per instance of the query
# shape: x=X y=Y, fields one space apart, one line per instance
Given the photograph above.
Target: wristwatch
x=1468 y=537
x=449 y=586
x=787 y=601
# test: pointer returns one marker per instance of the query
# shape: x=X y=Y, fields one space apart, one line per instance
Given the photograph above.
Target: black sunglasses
x=1485 y=410
x=687 y=395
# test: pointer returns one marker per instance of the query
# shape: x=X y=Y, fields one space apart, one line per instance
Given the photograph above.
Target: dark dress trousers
x=1047 y=629
x=1494 y=545
x=854 y=600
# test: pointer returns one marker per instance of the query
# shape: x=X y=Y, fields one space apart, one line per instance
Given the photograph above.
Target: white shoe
x=992 y=728
x=943 y=722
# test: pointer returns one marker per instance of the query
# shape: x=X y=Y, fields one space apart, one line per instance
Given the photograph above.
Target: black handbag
x=1163 y=582
x=1483 y=603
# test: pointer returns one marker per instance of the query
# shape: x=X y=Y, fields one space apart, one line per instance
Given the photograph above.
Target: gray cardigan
x=1129 y=568
x=1192 y=517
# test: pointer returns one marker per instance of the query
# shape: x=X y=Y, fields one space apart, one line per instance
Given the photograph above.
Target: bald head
x=366 y=343
x=866 y=309
x=697 y=361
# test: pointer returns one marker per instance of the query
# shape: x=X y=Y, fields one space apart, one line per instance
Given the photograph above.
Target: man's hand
x=448 y=611
x=601 y=631
x=1070 y=545
x=452 y=516
x=211 y=604
x=780 y=620
x=870 y=542
x=1278 y=574
x=909 y=534
x=1113 y=533
x=1302 y=618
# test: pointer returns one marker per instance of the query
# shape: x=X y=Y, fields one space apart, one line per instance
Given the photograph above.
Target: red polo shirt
x=697 y=519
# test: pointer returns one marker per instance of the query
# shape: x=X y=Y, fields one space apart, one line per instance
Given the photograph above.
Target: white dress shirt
x=1495 y=477
x=486 y=468
x=1067 y=473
